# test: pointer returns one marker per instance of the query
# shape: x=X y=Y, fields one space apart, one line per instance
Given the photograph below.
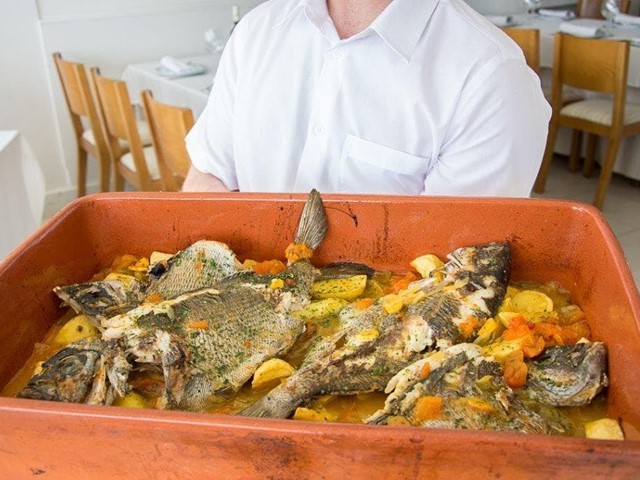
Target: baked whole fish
x=206 y=342
x=372 y=346
x=459 y=388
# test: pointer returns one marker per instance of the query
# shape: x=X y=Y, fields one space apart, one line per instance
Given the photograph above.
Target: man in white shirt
x=370 y=96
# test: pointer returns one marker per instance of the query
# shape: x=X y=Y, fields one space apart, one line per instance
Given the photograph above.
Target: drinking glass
x=532 y=7
x=609 y=10
x=213 y=40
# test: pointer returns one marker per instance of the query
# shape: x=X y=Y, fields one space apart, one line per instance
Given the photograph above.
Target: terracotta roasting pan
x=552 y=240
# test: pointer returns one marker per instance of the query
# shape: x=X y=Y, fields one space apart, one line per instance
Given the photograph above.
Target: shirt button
x=318 y=130
x=337 y=54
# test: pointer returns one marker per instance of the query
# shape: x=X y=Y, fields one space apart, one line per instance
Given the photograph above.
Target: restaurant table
x=191 y=91
x=22 y=191
x=628 y=159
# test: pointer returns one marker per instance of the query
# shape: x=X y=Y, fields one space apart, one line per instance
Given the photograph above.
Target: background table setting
x=617 y=27
x=185 y=81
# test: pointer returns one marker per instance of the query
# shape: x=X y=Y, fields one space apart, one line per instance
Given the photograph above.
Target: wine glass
x=609 y=10
x=214 y=40
x=532 y=7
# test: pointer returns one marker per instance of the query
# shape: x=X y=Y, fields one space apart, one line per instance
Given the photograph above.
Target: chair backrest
x=169 y=126
x=591 y=8
x=80 y=100
x=528 y=39
x=120 y=123
x=591 y=64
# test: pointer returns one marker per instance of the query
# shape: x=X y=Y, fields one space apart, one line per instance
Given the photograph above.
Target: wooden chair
x=600 y=66
x=591 y=8
x=138 y=166
x=169 y=126
x=528 y=39
x=90 y=139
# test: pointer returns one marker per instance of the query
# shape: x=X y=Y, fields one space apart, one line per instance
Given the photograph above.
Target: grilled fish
x=474 y=285
x=201 y=265
x=206 y=342
x=568 y=375
x=469 y=392
x=102 y=299
x=372 y=346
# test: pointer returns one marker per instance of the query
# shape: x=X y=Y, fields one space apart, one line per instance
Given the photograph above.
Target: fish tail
x=278 y=403
x=313 y=224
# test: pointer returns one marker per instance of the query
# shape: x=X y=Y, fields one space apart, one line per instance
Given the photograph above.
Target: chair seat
x=149 y=156
x=143 y=131
x=600 y=111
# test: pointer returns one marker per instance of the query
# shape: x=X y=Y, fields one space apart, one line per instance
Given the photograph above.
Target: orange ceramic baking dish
x=552 y=240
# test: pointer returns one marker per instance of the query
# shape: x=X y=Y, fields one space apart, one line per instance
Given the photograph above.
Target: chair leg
x=105 y=174
x=82 y=171
x=607 y=170
x=119 y=181
x=576 y=146
x=589 y=160
x=547 y=158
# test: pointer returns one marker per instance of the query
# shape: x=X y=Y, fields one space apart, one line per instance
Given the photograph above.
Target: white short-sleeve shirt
x=430 y=99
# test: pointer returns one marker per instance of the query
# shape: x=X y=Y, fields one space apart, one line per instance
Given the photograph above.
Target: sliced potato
x=425 y=264
x=373 y=290
x=392 y=303
x=604 y=429
x=501 y=350
x=320 y=309
x=157 y=257
x=531 y=301
x=506 y=317
x=345 y=288
x=131 y=400
x=123 y=278
x=309 y=415
x=76 y=329
x=272 y=369
x=488 y=332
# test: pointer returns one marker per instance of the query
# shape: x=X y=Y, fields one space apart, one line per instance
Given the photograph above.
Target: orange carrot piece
x=515 y=370
x=199 y=324
x=295 y=252
x=269 y=267
x=469 y=327
x=426 y=370
x=427 y=408
x=363 y=303
x=153 y=298
x=570 y=334
x=518 y=328
x=400 y=283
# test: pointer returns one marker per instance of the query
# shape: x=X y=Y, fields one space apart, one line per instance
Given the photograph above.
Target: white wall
x=105 y=33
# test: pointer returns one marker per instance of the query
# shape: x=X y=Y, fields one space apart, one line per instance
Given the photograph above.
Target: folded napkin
x=625 y=19
x=549 y=12
x=583 y=28
x=500 y=20
x=174 y=65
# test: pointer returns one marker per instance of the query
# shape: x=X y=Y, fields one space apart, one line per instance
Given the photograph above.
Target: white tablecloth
x=628 y=160
x=22 y=191
x=191 y=92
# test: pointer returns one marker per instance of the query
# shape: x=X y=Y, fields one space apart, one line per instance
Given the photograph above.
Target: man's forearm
x=197 y=181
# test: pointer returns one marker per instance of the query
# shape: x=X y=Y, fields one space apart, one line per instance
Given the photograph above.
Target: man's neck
x=351 y=17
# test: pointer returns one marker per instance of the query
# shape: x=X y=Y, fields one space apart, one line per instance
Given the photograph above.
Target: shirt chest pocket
x=369 y=167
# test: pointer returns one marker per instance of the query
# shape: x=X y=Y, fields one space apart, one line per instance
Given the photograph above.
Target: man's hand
x=197 y=181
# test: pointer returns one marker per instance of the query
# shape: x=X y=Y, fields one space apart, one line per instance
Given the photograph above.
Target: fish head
x=480 y=263
x=68 y=375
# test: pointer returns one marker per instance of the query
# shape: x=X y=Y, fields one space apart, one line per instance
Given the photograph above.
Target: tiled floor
x=621 y=207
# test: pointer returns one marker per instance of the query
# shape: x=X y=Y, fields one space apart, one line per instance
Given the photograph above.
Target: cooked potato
x=320 y=309
x=131 y=400
x=604 y=429
x=501 y=350
x=531 y=301
x=344 y=288
x=426 y=264
x=75 y=329
x=373 y=290
x=273 y=369
x=392 y=303
x=309 y=415
x=488 y=332
x=157 y=257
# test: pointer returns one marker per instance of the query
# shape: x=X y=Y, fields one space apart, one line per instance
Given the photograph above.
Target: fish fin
x=313 y=223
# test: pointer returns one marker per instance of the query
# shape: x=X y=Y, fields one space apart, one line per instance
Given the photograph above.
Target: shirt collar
x=400 y=25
